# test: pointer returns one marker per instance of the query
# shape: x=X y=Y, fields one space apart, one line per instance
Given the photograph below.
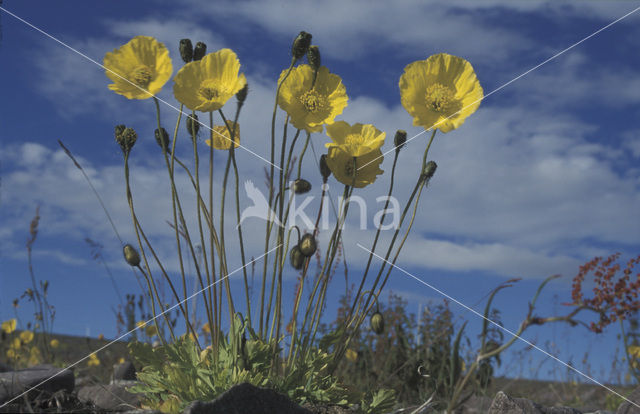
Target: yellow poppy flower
x=121 y=360
x=310 y=108
x=222 y=137
x=144 y=64
x=440 y=92
x=634 y=351
x=93 y=361
x=54 y=343
x=206 y=328
x=35 y=357
x=207 y=84
x=351 y=355
x=26 y=336
x=341 y=165
x=16 y=344
x=11 y=353
x=356 y=140
x=9 y=326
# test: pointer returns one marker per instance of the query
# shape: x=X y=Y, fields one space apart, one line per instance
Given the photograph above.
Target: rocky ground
x=105 y=390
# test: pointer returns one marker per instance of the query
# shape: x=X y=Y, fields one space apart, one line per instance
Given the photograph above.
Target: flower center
x=141 y=76
x=440 y=98
x=312 y=101
x=354 y=140
x=210 y=90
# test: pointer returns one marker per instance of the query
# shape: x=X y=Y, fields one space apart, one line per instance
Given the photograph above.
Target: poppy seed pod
x=193 y=126
x=313 y=57
x=162 y=138
x=300 y=45
x=301 y=186
x=297 y=258
x=400 y=139
x=325 y=171
x=199 y=51
x=186 y=50
x=307 y=245
x=126 y=138
x=377 y=323
x=131 y=255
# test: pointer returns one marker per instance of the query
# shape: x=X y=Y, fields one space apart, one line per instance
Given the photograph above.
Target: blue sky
x=543 y=177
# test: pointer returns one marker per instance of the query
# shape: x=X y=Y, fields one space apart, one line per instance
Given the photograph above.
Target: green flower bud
x=296 y=258
x=125 y=137
x=307 y=245
x=186 y=50
x=131 y=255
x=241 y=96
x=300 y=45
x=377 y=323
x=162 y=138
x=325 y=171
x=400 y=139
x=313 y=57
x=301 y=186
x=428 y=171
x=199 y=51
x=193 y=126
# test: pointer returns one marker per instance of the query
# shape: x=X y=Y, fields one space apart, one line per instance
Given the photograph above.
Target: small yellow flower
x=144 y=64
x=11 y=353
x=54 y=343
x=207 y=84
x=440 y=92
x=101 y=337
x=356 y=140
x=310 y=108
x=9 y=326
x=34 y=356
x=140 y=324
x=121 y=360
x=16 y=344
x=365 y=171
x=351 y=355
x=222 y=137
x=26 y=336
x=93 y=360
x=206 y=328
x=634 y=351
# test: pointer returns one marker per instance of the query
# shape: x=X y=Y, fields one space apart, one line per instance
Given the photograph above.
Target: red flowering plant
x=615 y=298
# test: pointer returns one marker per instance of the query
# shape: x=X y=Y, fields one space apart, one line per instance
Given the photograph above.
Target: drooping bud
x=300 y=45
x=162 y=138
x=186 y=50
x=307 y=245
x=199 y=51
x=377 y=323
x=400 y=139
x=313 y=57
x=296 y=258
x=193 y=126
x=301 y=186
x=131 y=255
x=241 y=96
x=428 y=171
x=325 y=171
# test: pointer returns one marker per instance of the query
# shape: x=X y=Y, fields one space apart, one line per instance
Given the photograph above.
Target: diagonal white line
x=510 y=82
x=496 y=324
x=142 y=325
x=127 y=80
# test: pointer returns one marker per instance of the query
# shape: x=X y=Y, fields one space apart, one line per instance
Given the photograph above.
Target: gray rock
x=4 y=367
x=112 y=397
x=124 y=371
x=626 y=407
x=14 y=383
x=503 y=404
x=245 y=398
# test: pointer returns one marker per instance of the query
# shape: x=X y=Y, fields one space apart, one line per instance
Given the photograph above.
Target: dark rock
x=503 y=404
x=14 y=383
x=245 y=398
x=112 y=397
x=124 y=371
x=4 y=367
x=626 y=407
